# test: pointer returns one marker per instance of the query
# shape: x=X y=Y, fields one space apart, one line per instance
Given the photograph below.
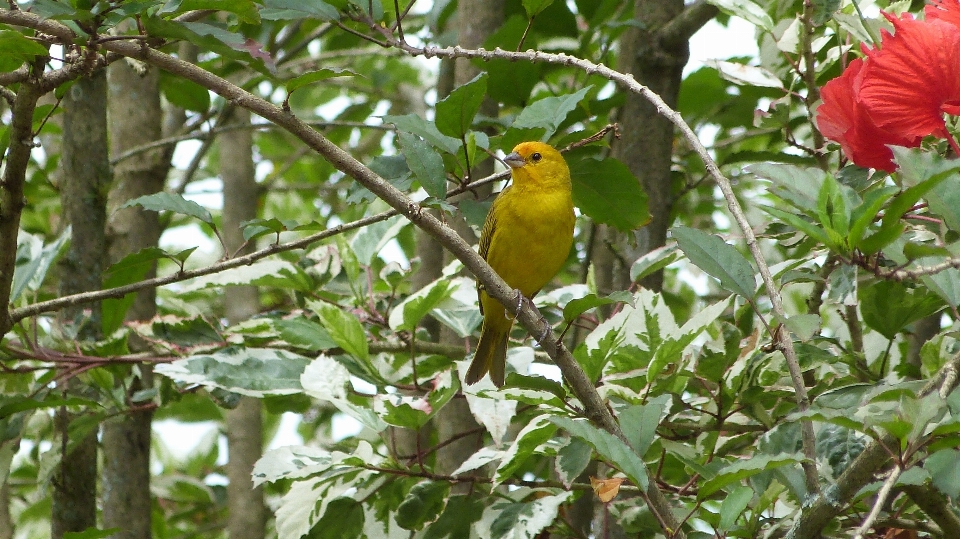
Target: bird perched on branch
x=525 y=239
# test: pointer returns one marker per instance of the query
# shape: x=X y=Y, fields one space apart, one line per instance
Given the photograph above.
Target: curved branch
x=688 y=22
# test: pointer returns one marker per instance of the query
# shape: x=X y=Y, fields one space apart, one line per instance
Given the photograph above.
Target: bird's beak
x=515 y=160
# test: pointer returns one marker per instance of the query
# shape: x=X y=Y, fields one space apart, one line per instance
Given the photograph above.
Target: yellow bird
x=526 y=239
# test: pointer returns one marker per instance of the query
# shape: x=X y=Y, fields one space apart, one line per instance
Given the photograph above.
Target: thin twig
x=880 y=502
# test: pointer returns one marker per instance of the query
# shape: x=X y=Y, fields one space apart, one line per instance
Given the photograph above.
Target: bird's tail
x=491 y=353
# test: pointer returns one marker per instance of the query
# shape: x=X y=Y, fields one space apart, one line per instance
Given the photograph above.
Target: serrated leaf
x=456 y=111
x=614 y=450
x=609 y=193
x=425 y=163
x=171 y=202
x=719 y=259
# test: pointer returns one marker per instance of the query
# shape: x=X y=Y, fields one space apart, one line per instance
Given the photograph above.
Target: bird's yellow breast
x=532 y=237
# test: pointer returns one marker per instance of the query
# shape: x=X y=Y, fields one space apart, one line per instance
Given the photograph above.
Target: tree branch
x=11 y=191
x=688 y=22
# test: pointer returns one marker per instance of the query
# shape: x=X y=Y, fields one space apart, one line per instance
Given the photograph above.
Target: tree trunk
x=244 y=423
x=646 y=143
x=135 y=119
x=476 y=20
x=85 y=181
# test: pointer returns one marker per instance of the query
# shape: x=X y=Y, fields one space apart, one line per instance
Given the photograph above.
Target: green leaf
x=345 y=330
x=654 y=261
x=18 y=48
x=719 y=259
x=457 y=519
x=423 y=504
x=32 y=266
x=747 y=10
x=132 y=268
x=548 y=113
x=864 y=214
x=456 y=111
x=535 y=433
x=823 y=10
x=743 y=469
x=245 y=10
x=525 y=519
x=609 y=193
x=184 y=93
x=426 y=130
x=574 y=308
x=425 y=163
x=639 y=422
x=371 y=239
x=343 y=519
x=944 y=468
x=304 y=333
x=321 y=74
x=534 y=7
x=572 y=460
x=281 y=10
x=733 y=505
x=418 y=305
x=802 y=225
x=804 y=325
x=249 y=371
x=614 y=450
x=888 y=307
x=171 y=202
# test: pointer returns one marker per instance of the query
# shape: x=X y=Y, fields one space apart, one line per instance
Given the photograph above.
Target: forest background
x=756 y=337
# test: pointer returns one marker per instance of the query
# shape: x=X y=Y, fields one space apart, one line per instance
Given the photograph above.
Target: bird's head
x=537 y=163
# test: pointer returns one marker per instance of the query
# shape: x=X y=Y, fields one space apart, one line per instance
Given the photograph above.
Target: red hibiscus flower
x=900 y=92
x=844 y=119
x=914 y=77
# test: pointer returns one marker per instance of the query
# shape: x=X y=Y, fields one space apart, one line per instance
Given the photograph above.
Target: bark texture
x=241 y=196
x=646 y=143
x=83 y=195
x=135 y=119
x=476 y=20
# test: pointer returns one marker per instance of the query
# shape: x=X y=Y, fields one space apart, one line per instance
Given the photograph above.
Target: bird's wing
x=486 y=235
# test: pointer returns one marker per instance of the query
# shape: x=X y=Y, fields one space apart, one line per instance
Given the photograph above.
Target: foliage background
x=806 y=389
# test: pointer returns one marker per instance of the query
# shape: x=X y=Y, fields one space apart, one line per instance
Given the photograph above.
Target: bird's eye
x=536 y=157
